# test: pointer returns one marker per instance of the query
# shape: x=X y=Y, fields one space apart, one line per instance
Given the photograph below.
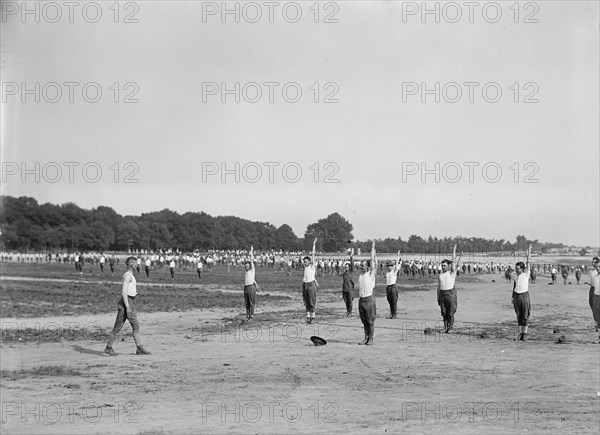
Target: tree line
x=27 y=225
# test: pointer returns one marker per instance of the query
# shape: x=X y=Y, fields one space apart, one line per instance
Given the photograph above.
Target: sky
x=477 y=121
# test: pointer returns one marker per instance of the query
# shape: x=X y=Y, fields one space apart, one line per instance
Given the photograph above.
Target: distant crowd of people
x=283 y=261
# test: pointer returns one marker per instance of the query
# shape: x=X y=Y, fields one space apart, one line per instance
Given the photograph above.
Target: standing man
x=392 y=291
x=199 y=267
x=127 y=311
x=533 y=274
x=446 y=293
x=578 y=274
x=553 y=272
x=147 y=265
x=172 y=267
x=564 y=271
x=111 y=263
x=102 y=262
x=594 y=297
x=366 y=303
x=348 y=287
x=520 y=295
x=250 y=286
x=309 y=284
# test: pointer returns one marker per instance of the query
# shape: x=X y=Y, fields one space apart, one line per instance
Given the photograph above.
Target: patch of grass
x=42 y=371
x=48 y=335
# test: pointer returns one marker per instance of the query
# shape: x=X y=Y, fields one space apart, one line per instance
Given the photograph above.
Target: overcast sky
x=374 y=136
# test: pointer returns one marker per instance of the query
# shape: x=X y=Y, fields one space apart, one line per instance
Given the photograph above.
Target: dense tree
x=333 y=233
x=26 y=225
x=285 y=237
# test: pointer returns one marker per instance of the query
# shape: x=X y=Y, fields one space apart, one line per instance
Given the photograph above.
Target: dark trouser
x=366 y=309
x=172 y=270
x=250 y=298
x=522 y=307
x=448 y=304
x=596 y=309
x=592 y=297
x=147 y=269
x=392 y=298
x=348 y=298
x=309 y=295
x=199 y=273
x=101 y=267
x=122 y=315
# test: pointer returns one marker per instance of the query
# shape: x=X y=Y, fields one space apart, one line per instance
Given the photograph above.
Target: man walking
x=127 y=311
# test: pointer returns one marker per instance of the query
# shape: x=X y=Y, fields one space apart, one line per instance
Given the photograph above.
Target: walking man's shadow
x=80 y=349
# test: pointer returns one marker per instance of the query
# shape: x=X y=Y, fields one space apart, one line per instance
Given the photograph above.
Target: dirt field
x=211 y=373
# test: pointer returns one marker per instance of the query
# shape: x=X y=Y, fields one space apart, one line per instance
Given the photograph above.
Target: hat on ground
x=318 y=341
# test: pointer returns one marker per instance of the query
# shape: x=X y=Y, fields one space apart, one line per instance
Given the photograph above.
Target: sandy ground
x=267 y=377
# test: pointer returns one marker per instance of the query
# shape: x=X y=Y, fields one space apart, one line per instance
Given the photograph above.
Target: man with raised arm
x=309 y=284
x=446 y=293
x=392 y=291
x=250 y=285
x=594 y=296
x=127 y=311
x=366 y=303
x=520 y=295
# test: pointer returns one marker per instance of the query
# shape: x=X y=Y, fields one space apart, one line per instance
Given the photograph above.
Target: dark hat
x=318 y=341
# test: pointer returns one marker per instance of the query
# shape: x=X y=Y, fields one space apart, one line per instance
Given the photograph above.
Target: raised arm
x=397 y=266
x=458 y=259
x=373 y=259
x=528 y=256
x=251 y=257
x=314 y=250
x=452 y=269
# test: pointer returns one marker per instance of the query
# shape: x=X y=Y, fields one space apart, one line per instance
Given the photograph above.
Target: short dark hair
x=448 y=262
x=307 y=258
x=128 y=259
x=520 y=264
x=595 y=260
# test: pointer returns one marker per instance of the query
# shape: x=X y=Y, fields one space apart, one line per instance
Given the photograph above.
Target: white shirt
x=446 y=280
x=391 y=277
x=522 y=281
x=595 y=281
x=131 y=288
x=199 y=265
x=309 y=273
x=172 y=264
x=148 y=263
x=249 y=277
x=366 y=284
